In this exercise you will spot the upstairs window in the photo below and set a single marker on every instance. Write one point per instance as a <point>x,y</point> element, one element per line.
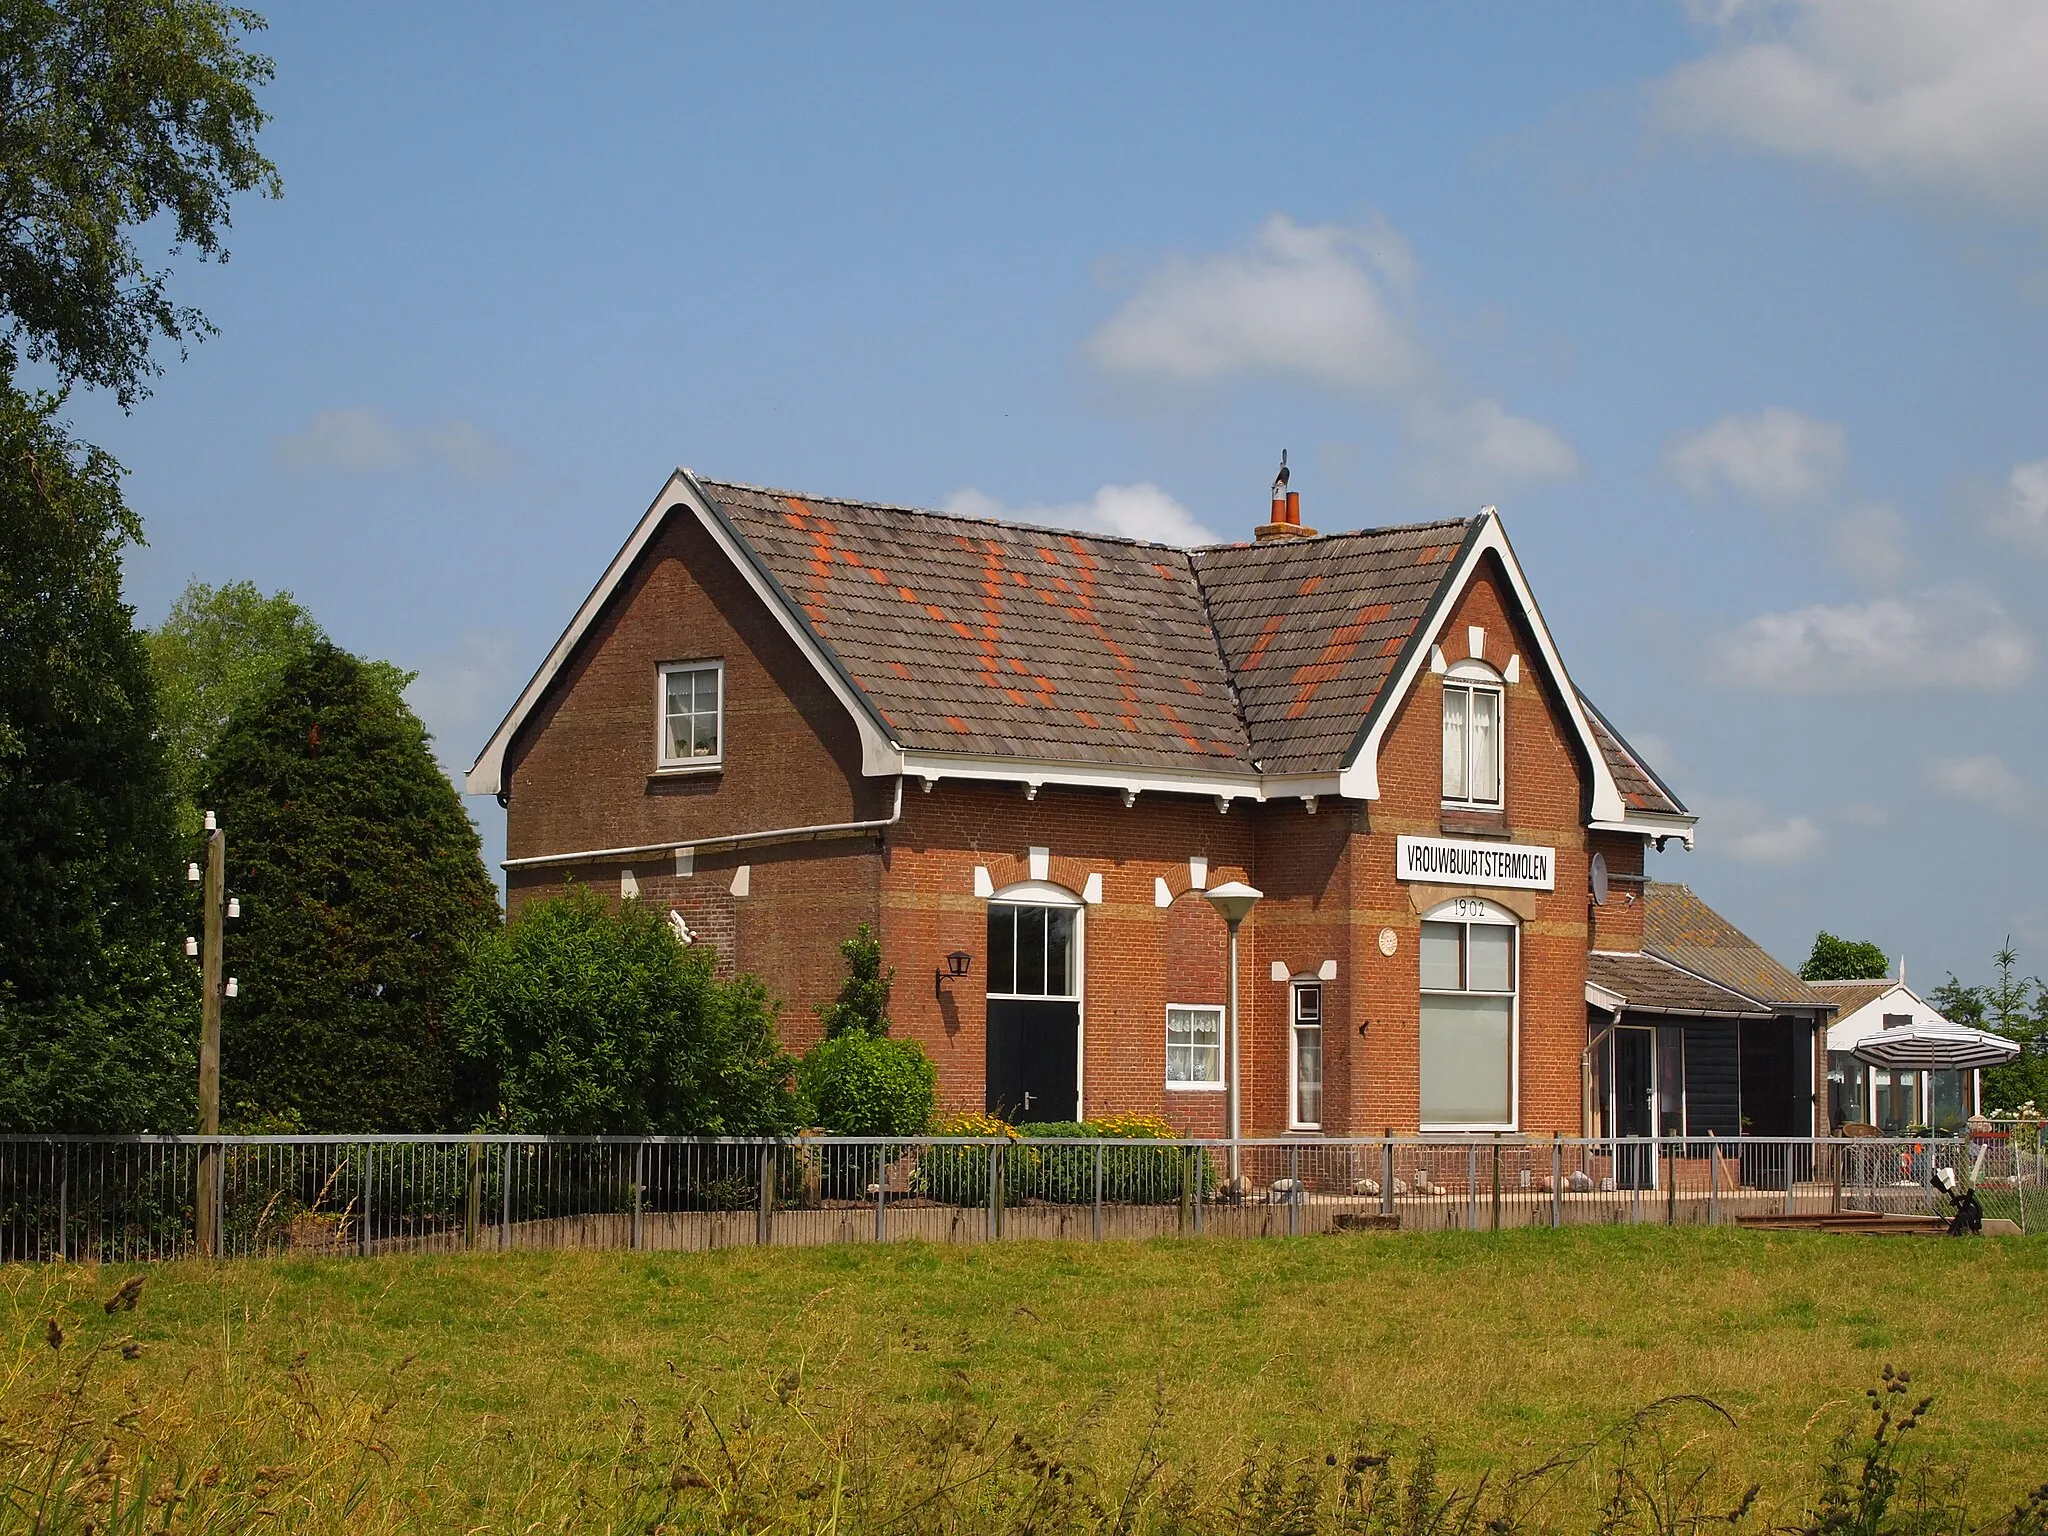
<point>692,714</point>
<point>1472,737</point>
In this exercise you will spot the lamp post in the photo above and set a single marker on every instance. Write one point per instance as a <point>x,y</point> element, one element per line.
<point>1233,902</point>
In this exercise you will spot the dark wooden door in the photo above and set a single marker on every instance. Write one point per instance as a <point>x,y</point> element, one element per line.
<point>1634,1166</point>
<point>1034,1057</point>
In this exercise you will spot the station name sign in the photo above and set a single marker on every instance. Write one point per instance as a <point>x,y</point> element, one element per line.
<point>1452,861</point>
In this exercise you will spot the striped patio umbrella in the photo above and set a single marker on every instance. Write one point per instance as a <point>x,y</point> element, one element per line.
<point>1936,1048</point>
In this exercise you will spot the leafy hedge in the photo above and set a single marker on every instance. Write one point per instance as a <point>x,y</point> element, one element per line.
<point>1065,1175</point>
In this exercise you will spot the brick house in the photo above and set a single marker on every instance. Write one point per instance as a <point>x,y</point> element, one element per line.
<point>1025,755</point>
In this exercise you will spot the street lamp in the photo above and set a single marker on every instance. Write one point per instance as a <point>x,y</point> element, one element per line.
<point>1233,902</point>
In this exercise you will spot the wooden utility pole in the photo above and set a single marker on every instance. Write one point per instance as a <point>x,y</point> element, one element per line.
<point>210,964</point>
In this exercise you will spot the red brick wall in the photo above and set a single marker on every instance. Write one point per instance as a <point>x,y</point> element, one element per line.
<point>1545,791</point>
<point>1134,953</point>
<point>582,775</point>
<point>582,770</point>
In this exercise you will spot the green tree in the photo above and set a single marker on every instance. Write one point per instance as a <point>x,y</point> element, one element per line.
<point>95,1003</point>
<point>1835,959</point>
<point>218,649</point>
<point>2012,1005</point>
<point>117,114</point>
<point>581,1018</point>
<point>863,1001</point>
<point>362,886</point>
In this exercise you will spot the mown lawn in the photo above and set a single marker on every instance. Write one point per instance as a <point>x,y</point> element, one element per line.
<point>461,1372</point>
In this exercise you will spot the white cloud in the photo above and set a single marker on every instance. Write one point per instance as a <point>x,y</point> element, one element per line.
<point>1871,543</point>
<point>1312,301</point>
<point>1141,511</point>
<point>361,439</point>
<point>2021,514</point>
<point>1953,636</point>
<point>1776,456</point>
<point>1986,781</point>
<point>1745,831</point>
<point>462,693</point>
<point>1477,451</point>
<point>1942,97</point>
<point>1326,304</point>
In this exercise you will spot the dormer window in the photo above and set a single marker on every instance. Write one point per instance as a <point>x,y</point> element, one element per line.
<point>692,702</point>
<point>1473,709</point>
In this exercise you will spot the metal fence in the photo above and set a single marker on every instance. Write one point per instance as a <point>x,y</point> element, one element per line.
<point>131,1198</point>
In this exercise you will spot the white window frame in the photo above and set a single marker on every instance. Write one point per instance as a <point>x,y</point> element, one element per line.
<point>1294,990</point>
<point>663,762</point>
<point>1222,1082</point>
<point>1471,677</point>
<point>1042,893</point>
<point>1471,910</point>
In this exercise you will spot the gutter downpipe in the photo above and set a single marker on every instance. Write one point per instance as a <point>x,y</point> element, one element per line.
<point>736,840</point>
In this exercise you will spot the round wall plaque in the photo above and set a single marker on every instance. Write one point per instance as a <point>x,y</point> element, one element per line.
<point>1389,941</point>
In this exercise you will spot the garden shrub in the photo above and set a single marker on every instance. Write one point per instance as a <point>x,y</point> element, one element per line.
<point>1064,1175</point>
<point>858,1084</point>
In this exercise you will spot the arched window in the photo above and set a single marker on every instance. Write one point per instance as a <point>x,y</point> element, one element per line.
<point>1471,974</point>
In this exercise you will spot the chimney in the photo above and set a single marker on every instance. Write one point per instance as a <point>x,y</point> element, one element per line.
<point>1286,522</point>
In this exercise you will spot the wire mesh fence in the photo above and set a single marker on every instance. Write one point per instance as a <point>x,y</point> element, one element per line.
<point>137,1198</point>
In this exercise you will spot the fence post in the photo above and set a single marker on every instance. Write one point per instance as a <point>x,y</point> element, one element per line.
<point>1713,1179</point>
<point>1556,1180</point>
<point>1294,1191</point>
<point>763,1207</point>
<point>369,1179</point>
<point>996,1165</point>
<point>1098,1191</point>
<point>1496,1181</point>
<point>1187,1185</point>
<point>1671,1184</point>
<point>505,1194</point>
<point>1635,1182</point>
<point>1387,1173</point>
<point>1471,1189</point>
<point>1201,1185</point>
<point>64,1201</point>
<point>1788,1178</point>
<point>639,1202</point>
<point>472,1211</point>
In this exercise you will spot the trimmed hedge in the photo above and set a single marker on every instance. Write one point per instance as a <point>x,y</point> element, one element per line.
<point>1065,1175</point>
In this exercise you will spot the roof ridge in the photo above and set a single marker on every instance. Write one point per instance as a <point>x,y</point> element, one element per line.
<point>1023,526</point>
<point>1017,524</point>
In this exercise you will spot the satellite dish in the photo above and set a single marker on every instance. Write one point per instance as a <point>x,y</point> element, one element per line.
<point>1598,876</point>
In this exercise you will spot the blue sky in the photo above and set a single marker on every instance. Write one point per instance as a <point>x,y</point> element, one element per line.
<point>1735,310</point>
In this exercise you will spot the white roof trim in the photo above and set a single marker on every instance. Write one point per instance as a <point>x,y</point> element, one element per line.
<point>1360,777</point>
<point>880,754</point>
<point>1173,781</point>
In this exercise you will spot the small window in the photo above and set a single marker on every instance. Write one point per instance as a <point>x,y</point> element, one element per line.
<point>692,715</point>
<point>1194,1047</point>
<point>1898,1021</point>
<point>1472,744</point>
<point>1307,1067</point>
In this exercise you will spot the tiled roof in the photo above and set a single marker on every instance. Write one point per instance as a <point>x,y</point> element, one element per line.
<point>1651,985</point>
<point>1679,927</point>
<point>1640,787</point>
<point>1312,629</point>
<point>1017,641</point>
<point>1001,639</point>
<point>1849,996</point>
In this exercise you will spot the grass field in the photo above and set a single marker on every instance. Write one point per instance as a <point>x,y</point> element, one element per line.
<point>515,1392</point>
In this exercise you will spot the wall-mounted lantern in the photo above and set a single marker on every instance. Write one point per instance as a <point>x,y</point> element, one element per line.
<point>956,966</point>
